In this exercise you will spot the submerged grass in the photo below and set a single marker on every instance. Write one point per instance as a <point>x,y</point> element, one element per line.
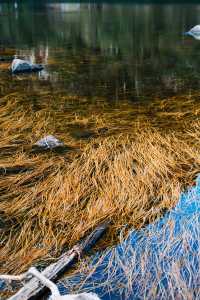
<point>131,177</point>
<point>161,261</point>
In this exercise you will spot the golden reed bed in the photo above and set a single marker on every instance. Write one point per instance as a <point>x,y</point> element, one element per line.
<point>130,176</point>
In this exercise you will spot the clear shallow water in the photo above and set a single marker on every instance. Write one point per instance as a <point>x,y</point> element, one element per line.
<point>114,58</point>
<point>131,53</point>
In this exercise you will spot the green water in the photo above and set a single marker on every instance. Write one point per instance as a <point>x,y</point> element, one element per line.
<point>123,56</point>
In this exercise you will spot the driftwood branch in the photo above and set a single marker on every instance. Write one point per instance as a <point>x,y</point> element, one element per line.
<point>33,288</point>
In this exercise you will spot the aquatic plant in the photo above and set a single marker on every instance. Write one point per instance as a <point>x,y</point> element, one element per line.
<point>131,173</point>
<point>160,261</point>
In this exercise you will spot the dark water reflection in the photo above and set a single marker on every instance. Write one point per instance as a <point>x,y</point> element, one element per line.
<point>119,52</point>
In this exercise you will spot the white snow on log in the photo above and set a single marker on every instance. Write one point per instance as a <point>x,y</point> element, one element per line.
<point>49,142</point>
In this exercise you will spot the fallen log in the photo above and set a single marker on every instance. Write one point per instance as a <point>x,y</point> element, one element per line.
<point>33,288</point>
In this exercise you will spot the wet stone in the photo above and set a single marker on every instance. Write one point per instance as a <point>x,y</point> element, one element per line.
<point>49,142</point>
<point>21,66</point>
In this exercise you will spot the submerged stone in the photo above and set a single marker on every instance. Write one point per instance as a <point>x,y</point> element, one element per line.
<point>49,142</point>
<point>20,66</point>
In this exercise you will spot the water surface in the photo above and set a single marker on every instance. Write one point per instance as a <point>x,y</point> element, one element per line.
<point>123,60</point>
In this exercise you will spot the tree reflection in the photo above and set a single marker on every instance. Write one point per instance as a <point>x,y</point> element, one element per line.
<point>133,49</point>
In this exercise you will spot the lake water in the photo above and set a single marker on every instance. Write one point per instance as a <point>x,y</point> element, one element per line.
<point>121,60</point>
<point>112,66</point>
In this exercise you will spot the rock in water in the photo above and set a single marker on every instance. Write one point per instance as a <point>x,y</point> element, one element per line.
<point>194,32</point>
<point>49,142</point>
<point>20,66</point>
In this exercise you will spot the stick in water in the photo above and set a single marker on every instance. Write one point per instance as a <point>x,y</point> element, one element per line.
<point>34,287</point>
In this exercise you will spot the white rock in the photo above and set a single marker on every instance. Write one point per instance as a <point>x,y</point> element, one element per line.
<point>49,142</point>
<point>19,66</point>
<point>195,29</point>
<point>83,296</point>
<point>194,32</point>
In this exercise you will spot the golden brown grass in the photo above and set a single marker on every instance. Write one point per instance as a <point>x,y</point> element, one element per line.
<point>130,177</point>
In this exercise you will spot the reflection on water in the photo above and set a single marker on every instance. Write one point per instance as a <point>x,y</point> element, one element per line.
<point>158,262</point>
<point>131,53</point>
<point>65,7</point>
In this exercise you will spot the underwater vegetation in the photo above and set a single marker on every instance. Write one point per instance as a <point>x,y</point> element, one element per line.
<point>160,261</point>
<point>120,90</point>
<point>50,199</point>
